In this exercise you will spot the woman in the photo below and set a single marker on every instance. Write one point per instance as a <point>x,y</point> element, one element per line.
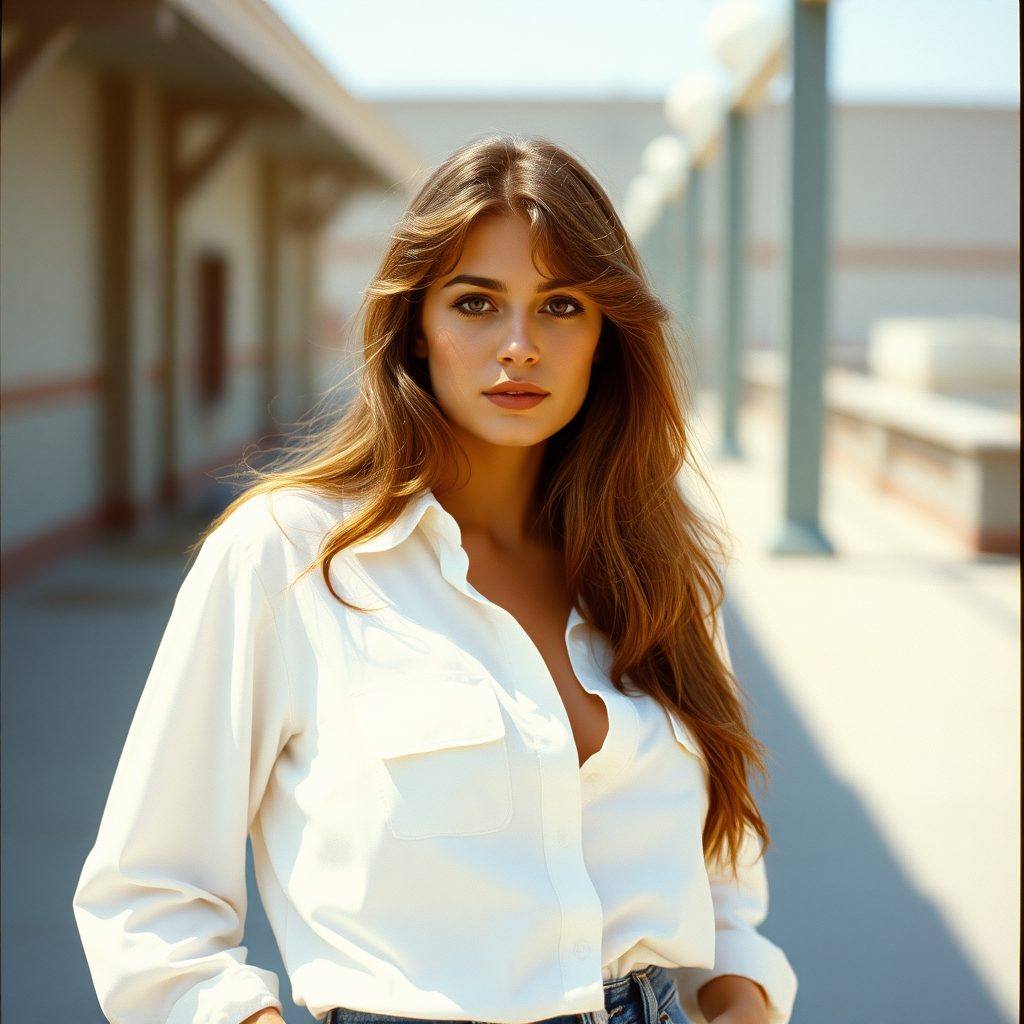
<point>455,671</point>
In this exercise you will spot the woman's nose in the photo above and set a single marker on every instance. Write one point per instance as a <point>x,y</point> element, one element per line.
<point>517,347</point>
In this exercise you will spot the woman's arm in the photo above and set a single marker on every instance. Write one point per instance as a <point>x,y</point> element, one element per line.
<point>730,999</point>
<point>745,962</point>
<point>162,898</point>
<point>265,1017</point>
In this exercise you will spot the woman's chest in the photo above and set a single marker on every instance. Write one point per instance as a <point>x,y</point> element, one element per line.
<point>435,712</point>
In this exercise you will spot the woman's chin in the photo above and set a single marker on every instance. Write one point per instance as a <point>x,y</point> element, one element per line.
<point>510,435</point>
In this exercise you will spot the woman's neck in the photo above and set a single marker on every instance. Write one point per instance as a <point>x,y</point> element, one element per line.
<point>498,495</point>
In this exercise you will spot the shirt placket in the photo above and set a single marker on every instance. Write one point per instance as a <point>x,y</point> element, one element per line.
<point>579,948</point>
<point>591,668</point>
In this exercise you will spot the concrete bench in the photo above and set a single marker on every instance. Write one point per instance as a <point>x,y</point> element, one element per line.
<point>957,460</point>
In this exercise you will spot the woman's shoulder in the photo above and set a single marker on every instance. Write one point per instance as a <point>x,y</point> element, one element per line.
<point>280,527</point>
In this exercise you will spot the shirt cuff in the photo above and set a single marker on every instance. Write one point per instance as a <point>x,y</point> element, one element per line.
<point>229,998</point>
<point>752,957</point>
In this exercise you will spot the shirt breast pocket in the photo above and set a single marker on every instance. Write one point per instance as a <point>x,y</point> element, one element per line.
<point>438,742</point>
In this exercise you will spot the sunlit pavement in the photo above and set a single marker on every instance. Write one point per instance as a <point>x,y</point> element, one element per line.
<point>77,645</point>
<point>886,681</point>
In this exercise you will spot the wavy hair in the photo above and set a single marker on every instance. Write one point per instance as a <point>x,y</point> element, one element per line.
<point>639,556</point>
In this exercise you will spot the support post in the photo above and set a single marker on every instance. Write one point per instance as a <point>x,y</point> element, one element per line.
<point>808,281</point>
<point>324,187</point>
<point>652,251</point>
<point>675,213</point>
<point>270,282</point>
<point>692,283</point>
<point>731,383</point>
<point>310,291</point>
<point>117,194</point>
<point>169,485</point>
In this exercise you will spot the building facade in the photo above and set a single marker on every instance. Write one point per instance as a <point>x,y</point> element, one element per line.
<point>167,172</point>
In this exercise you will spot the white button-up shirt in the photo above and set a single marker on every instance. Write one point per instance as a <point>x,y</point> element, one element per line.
<point>426,844</point>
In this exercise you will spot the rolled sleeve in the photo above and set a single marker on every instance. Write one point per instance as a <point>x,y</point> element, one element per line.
<point>161,901</point>
<point>741,904</point>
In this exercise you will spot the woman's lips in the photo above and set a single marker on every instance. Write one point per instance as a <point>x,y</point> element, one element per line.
<point>516,396</point>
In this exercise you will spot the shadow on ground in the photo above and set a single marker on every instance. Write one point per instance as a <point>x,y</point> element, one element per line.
<point>866,946</point>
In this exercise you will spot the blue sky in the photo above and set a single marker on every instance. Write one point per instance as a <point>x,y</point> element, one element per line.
<point>886,51</point>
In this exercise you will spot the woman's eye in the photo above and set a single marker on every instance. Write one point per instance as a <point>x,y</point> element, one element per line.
<point>474,304</point>
<point>563,307</point>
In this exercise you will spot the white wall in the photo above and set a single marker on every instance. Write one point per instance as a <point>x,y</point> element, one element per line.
<point>48,316</point>
<point>920,174</point>
<point>223,217</point>
<point>924,218</point>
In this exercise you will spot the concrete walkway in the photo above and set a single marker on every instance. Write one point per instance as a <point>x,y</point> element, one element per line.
<point>77,646</point>
<point>885,682</point>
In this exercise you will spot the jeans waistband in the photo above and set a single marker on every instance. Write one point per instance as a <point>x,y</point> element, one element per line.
<point>646,996</point>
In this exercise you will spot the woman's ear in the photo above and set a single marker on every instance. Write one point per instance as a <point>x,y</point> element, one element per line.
<point>419,345</point>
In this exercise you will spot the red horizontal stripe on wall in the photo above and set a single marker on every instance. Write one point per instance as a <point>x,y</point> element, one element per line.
<point>972,259</point>
<point>898,256</point>
<point>21,561</point>
<point>57,389</point>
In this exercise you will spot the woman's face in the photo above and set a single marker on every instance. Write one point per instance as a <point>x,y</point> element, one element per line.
<point>509,350</point>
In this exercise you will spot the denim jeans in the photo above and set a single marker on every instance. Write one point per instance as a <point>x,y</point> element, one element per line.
<point>647,996</point>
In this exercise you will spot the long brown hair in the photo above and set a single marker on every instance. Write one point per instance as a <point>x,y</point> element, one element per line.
<point>640,557</point>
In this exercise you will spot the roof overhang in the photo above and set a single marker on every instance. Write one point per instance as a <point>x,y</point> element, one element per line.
<point>238,52</point>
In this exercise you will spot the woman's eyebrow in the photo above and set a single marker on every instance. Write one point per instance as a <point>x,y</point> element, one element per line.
<point>480,282</point>
<point>553,286</point>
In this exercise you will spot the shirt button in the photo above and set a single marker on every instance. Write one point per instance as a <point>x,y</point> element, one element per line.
<point>565,838</point>
<point>581,949</point>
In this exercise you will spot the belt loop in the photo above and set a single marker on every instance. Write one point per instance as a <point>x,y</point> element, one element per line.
<point>650,1000</point>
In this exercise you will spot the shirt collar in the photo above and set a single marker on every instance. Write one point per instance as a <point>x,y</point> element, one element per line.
<point>426,511</point>
<point>423,509</point>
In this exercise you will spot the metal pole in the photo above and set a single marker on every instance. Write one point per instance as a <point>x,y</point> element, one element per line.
<point>658,249</point>
<point>675,249</point>
<point>692,258</point>
<point>732,349</point>
<point>808,282</point>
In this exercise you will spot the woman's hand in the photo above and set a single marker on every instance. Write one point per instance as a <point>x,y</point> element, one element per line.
<point>268,1016</point>
<point>730,999</point>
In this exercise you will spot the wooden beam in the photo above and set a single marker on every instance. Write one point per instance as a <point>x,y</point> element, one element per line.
<point>117,172</point>
<point>309,297</point>
<point>45,29</point>
<point>40,44</point>
<point>131,15</point>
<point>270,281</point>
<point>325,187</point>
<point>169,485</point>
<point>755,95</point>
<point>188,178</point>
